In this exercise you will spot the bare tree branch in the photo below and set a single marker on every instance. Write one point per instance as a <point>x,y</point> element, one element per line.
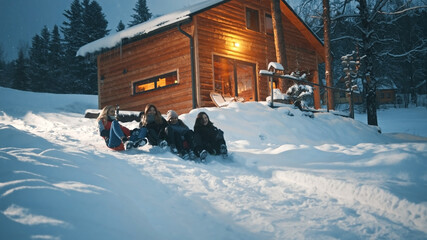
<point>402,11</point>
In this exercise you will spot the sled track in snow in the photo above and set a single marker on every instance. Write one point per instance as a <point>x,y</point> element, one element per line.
<point>376,199</point>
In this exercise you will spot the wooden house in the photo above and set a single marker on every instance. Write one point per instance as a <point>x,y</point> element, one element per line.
<point>175,61</point>
<point>341,97</point>
<point>386,92</point>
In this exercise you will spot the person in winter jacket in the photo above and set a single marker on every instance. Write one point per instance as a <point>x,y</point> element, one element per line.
<point>208,138</point>
<point>179,136</point>
<point>116,136</point>
<point>155,125</point>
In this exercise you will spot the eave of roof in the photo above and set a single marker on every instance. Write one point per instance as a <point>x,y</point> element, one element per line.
<point>171,20</point>
<point>304,29</point>
<point>148,28</point>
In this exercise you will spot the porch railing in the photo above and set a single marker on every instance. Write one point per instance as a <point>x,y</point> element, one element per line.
<point>273,72</point>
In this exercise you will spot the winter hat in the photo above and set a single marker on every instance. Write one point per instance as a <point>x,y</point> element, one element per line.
<point>171,114</point>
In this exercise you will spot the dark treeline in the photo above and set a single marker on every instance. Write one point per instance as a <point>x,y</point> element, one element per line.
<point>50,64</point>
<point>397,45</point>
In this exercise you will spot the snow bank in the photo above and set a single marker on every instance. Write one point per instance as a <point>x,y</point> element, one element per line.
<point>288,177</point>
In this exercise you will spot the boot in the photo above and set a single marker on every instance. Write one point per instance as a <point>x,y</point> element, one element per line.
<point>127,143</point>
<point>223,151</point>
<point>140,143</point>
<point>203,154</point>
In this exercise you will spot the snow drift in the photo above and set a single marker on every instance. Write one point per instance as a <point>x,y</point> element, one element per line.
<point>288,177</point>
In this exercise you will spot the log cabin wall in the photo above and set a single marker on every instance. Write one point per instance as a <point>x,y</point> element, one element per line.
<point>217,29</point>
<point>143,59</point>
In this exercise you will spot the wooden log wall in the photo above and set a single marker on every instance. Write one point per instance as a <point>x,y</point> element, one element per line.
<point>149,57</point>
<point>219,27</point>
<point>214,30</point>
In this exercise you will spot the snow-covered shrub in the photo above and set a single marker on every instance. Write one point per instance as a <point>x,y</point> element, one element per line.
<point>302,95</point>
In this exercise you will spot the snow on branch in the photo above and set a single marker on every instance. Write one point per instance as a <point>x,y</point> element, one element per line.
<point>420,49</point>
<point>403,11</point>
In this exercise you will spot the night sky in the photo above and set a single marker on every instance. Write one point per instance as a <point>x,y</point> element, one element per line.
<point>20,20</point>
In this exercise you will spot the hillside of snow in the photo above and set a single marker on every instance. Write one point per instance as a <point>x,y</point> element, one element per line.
<point>287,177</point>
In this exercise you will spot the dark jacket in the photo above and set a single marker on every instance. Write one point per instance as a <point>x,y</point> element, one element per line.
<point>155,132</point>
<point>209,138</point>
<point>207,133</point>
<point>158,128</point>
<point>179,127</point>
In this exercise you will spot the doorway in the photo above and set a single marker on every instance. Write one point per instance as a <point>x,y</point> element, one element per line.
<point>235,78</point>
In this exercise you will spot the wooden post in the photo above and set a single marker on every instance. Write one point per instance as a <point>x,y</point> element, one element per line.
<point>327,99</point>
<point>351,103</point>
<point>316,92</point>
<point>279,38</point>
<point>272,99</point>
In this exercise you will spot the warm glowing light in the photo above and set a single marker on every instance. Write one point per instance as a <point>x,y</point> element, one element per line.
<point>236,44</point>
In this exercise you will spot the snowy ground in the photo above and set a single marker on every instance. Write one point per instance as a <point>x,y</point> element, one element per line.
<point>289,177</point>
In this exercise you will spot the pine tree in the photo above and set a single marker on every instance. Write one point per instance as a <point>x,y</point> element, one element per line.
<point>142,13</point>
<point>86,23</point>
<point>36,60</point>
<point>94,22</point>
<point>120,26</point>
<point>44,64</point>
<point>39,65</point>
<point>20,72</point>
<point>55,61</point>
<point>2,67</point>
<point>72,30</point>
<point>95,27</point>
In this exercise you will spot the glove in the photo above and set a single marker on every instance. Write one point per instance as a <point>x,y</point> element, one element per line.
<point>117,110</point>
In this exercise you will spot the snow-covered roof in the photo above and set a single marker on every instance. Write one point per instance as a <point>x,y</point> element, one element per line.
<point>146,27</point>
<point>386,84</point>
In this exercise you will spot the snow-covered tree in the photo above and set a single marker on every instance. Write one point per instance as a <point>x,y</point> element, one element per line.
<point>142,13</point>
<point>408,57</point>
<point>301,95</point>
<point>366,27</point>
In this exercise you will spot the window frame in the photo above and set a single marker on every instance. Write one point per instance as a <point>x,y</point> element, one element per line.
<point>257,19</point>
<point>265,24</point>
<point>234,63</point>
<point>154,80</point>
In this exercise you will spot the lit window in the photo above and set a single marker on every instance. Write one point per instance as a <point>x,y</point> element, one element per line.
<point>268,24</point>
<point>252,19</point>
<point>157,82</point>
